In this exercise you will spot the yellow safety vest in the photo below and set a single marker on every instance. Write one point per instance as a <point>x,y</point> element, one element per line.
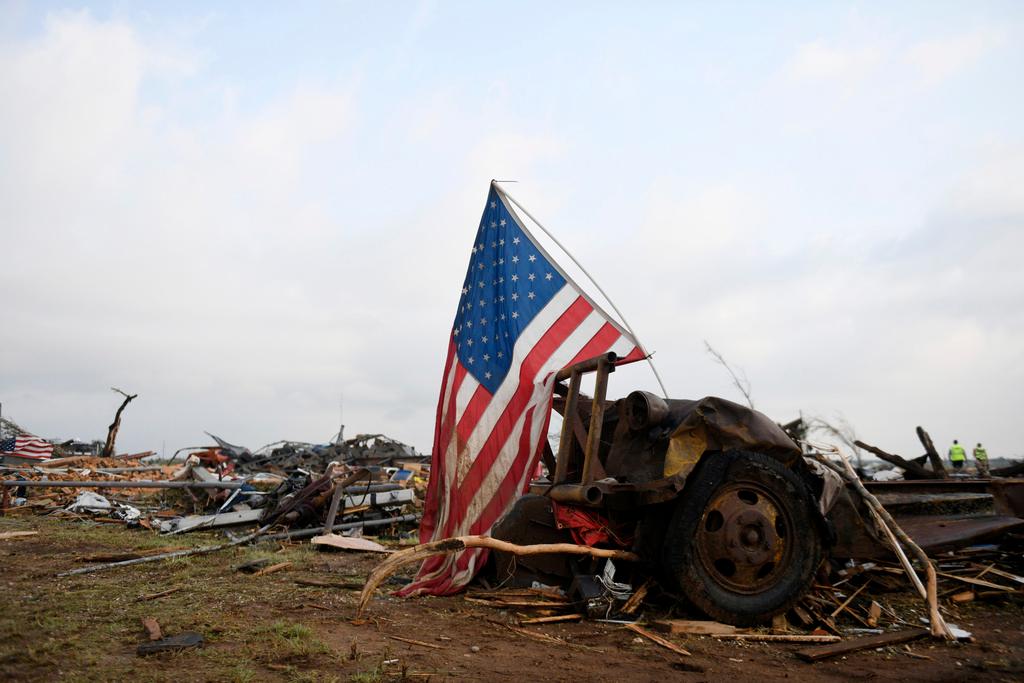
<point>980,454</point>
<point>957,453</point>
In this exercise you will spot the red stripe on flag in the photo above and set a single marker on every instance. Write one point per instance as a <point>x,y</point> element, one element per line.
<point>535,359</point>
<point>632,357</point>
<point>599,343</point>
<point>442,432</point>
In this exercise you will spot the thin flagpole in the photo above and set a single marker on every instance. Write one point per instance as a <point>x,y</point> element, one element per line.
<point>592,280</point>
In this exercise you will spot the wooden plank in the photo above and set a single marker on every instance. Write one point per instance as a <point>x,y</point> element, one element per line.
<point>7,535</point>
<point>816,654</point>
<point>658,639</point>
<point>414,642</point>
<point>692,627</point>
<point>552,620</point>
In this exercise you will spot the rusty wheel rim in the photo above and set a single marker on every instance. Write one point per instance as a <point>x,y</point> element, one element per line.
<point>744,541</point>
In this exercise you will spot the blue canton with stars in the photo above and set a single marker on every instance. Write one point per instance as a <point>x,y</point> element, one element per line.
<point>508,283</point>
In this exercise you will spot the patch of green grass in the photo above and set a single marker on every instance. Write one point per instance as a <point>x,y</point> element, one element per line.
<point>374,675</point>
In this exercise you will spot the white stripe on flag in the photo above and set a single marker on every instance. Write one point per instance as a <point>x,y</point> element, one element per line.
<point>510,448</point>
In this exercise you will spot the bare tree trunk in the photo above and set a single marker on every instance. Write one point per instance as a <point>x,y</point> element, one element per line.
<point>933,455</point>
<point>909,466</point>
<point>108,448</point>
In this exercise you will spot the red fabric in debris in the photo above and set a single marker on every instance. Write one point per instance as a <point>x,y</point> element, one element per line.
<point>589,527</point>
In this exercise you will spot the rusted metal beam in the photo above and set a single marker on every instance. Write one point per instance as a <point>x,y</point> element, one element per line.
<point>605,366</point>
<point>568,418</point>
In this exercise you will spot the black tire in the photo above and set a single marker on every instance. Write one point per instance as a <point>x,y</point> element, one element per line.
<point>743,544</point>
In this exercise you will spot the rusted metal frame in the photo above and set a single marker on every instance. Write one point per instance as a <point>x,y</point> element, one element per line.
<point>605,366</point>
<point>585,493</point>
<point>571,414</point>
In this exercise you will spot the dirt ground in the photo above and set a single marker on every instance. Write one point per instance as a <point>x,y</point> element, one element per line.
<point>269,628</point>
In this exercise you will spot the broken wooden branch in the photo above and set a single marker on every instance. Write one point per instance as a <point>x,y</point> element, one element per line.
<point>911,469</point>
<point>453,545</point>
<point>108,447</point>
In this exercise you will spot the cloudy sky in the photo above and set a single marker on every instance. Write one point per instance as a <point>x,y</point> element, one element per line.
<point>243,214</point>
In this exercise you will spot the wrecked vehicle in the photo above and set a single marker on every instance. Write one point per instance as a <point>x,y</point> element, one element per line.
<point>714,497</point>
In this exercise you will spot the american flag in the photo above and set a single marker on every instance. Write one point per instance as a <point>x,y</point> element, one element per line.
<point>26,446</point>
<point>520,319</point>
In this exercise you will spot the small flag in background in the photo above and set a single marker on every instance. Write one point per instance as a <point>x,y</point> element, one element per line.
<point>26,446</point>
<point>520,320</point>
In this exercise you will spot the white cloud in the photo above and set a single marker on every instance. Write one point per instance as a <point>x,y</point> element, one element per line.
<point>939,59</point>
<point>845,66</point>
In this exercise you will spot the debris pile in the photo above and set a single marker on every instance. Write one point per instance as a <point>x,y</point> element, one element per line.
<point>223,487</point>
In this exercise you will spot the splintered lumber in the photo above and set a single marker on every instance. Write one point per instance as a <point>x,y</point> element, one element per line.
<point>658,639</point>
<point>551,620</point>
<point>976,582</point>
<point>637,598</point>
<point>848,600</point>
<point>778,637</point>
<point>816,654</point>
<point>691,627</point>
<point>536,635</point>
<point>7,535</point>
<point>498,602</point>
<point>315,583</point>
<point>896,535</point>
<point>273,568</point>
<point>909,466</point>
<point>933,455</point>
<point>420,552</point>
<point>414,642</point>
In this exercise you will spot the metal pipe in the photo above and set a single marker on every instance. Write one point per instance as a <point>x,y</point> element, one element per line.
<point>589,365</point>
<point>306,533</point>
<point>125,484</point>
<point>576,494</point>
